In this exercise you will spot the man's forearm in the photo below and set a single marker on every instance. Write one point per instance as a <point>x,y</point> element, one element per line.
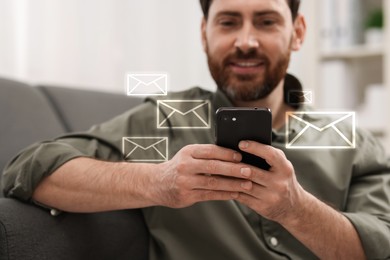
<point>196,173</point>
<point>326,232</point>
<point>88,185</point>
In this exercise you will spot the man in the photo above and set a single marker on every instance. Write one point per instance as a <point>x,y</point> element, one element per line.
<point>204,203</point>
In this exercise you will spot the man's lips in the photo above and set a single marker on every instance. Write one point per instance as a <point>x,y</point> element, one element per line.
<point>247,66</point>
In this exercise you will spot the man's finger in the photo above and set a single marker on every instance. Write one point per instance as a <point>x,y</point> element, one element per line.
<point>218,183</point>
<point>256,175</point>
<point>216,167</point>
<point>273,156</point>
<point>210,151</point>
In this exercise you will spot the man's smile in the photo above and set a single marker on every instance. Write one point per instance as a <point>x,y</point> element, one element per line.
<point>247,66</point>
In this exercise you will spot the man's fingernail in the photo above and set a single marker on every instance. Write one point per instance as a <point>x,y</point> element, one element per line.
<point>237,157</point>
<point>246,185</point>
<point>246,172</point>
<point>243,144</point>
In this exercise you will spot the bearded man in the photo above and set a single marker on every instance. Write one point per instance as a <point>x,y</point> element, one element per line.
<point>203,202</point>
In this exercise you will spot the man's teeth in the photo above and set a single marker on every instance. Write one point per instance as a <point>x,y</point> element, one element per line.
<point>248,64</point>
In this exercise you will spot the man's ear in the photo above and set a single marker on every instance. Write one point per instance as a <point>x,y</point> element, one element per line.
<point>299,32</point>
<point>203,32</point>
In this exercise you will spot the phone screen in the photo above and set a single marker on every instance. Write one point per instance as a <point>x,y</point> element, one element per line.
<point>236,124</point>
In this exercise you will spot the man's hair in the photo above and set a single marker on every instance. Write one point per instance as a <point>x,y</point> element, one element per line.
<point>293,4</point>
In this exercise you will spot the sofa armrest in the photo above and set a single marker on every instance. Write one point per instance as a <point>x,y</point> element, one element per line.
<point>29,232</point>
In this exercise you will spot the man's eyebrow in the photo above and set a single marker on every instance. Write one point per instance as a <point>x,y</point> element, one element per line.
<point>255,13</point>
<point>266,12</point>
<point>228,13</point>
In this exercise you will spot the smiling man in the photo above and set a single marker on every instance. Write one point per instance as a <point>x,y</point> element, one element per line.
<point>203,203</point>
<point>248,45</point>
<point>248,50</point>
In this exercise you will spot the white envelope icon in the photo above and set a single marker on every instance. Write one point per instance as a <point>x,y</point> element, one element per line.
<point>183,114</point>
<point>326,130</point>
<point>146,84</point>
<point>296,97</point>
<point>145,149</point>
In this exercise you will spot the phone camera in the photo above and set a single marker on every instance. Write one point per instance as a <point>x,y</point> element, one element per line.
<point>225,118</point>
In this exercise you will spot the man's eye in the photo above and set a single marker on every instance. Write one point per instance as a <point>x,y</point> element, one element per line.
<point>267,22</point>
<point>228,23</point>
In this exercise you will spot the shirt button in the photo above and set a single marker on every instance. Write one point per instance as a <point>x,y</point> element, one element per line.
<point>274,241</point>
<point>54,212</point>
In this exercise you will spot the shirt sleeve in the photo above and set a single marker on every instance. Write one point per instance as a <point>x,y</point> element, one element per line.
<point>368,205</point>
<point>102,142</point>
<point>23,174</point>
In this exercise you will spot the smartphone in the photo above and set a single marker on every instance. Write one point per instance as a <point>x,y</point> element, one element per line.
<point>234,124</point>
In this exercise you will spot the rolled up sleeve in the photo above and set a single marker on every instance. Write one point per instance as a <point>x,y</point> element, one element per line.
<point>102,142</point>
<point>23,174</point>
<point>368,205</point>
<point>374,233</point>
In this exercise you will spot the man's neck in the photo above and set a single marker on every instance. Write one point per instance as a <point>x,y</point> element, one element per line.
<point>274,101</point>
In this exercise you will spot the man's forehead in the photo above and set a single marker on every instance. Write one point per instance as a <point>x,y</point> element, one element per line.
<point>254,6</point>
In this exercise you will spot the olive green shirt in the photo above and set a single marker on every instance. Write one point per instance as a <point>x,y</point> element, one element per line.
<point>354,181</point>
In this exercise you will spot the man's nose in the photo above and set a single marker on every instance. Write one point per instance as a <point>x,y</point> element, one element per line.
<point>246,41</point>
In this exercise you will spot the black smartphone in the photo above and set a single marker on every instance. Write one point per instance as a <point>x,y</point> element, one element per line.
<point>234,124</point>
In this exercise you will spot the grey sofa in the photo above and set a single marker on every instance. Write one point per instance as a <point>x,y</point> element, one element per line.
<point>30,114</point>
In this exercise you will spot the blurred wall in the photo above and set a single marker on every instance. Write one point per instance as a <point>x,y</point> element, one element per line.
<point>93,43</point>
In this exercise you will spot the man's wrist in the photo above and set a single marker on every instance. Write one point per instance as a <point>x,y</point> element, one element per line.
<point>141,185</point>
<point>151,184</point>
<point>300,211</point>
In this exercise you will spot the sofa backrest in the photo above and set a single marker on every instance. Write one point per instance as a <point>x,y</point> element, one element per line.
<point>25,117</point>
<point>78,109</point>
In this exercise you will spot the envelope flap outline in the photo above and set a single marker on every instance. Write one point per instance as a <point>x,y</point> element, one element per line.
<point>348,137</point>
<point>333,123</point>
<point>150,150</point>
<point>300,96</point>
<point>307,95</point>
<point>184,114</point>
<point>203,103</point>
<point>144,147</point>
<point>301,93</point>
<point>147,79</point>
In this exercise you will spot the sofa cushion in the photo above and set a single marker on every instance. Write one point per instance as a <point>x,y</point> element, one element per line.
<point>26,117</point>
<point>80,109</point>
<point>28,232</point>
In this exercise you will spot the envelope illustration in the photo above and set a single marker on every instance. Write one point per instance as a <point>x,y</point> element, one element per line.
<point>320,130</point>
<point>296,97</point>
<point>147,84</point>
<point>145,149</point>
<point>183,114</point>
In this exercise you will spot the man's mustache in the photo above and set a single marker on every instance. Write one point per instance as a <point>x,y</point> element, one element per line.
<point>239,55</point>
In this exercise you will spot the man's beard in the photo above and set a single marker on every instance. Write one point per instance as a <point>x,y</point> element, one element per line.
<point>248,87</point>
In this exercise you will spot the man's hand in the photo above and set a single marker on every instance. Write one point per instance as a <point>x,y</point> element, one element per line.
<point>199,173</point>
<point>275,193</point>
